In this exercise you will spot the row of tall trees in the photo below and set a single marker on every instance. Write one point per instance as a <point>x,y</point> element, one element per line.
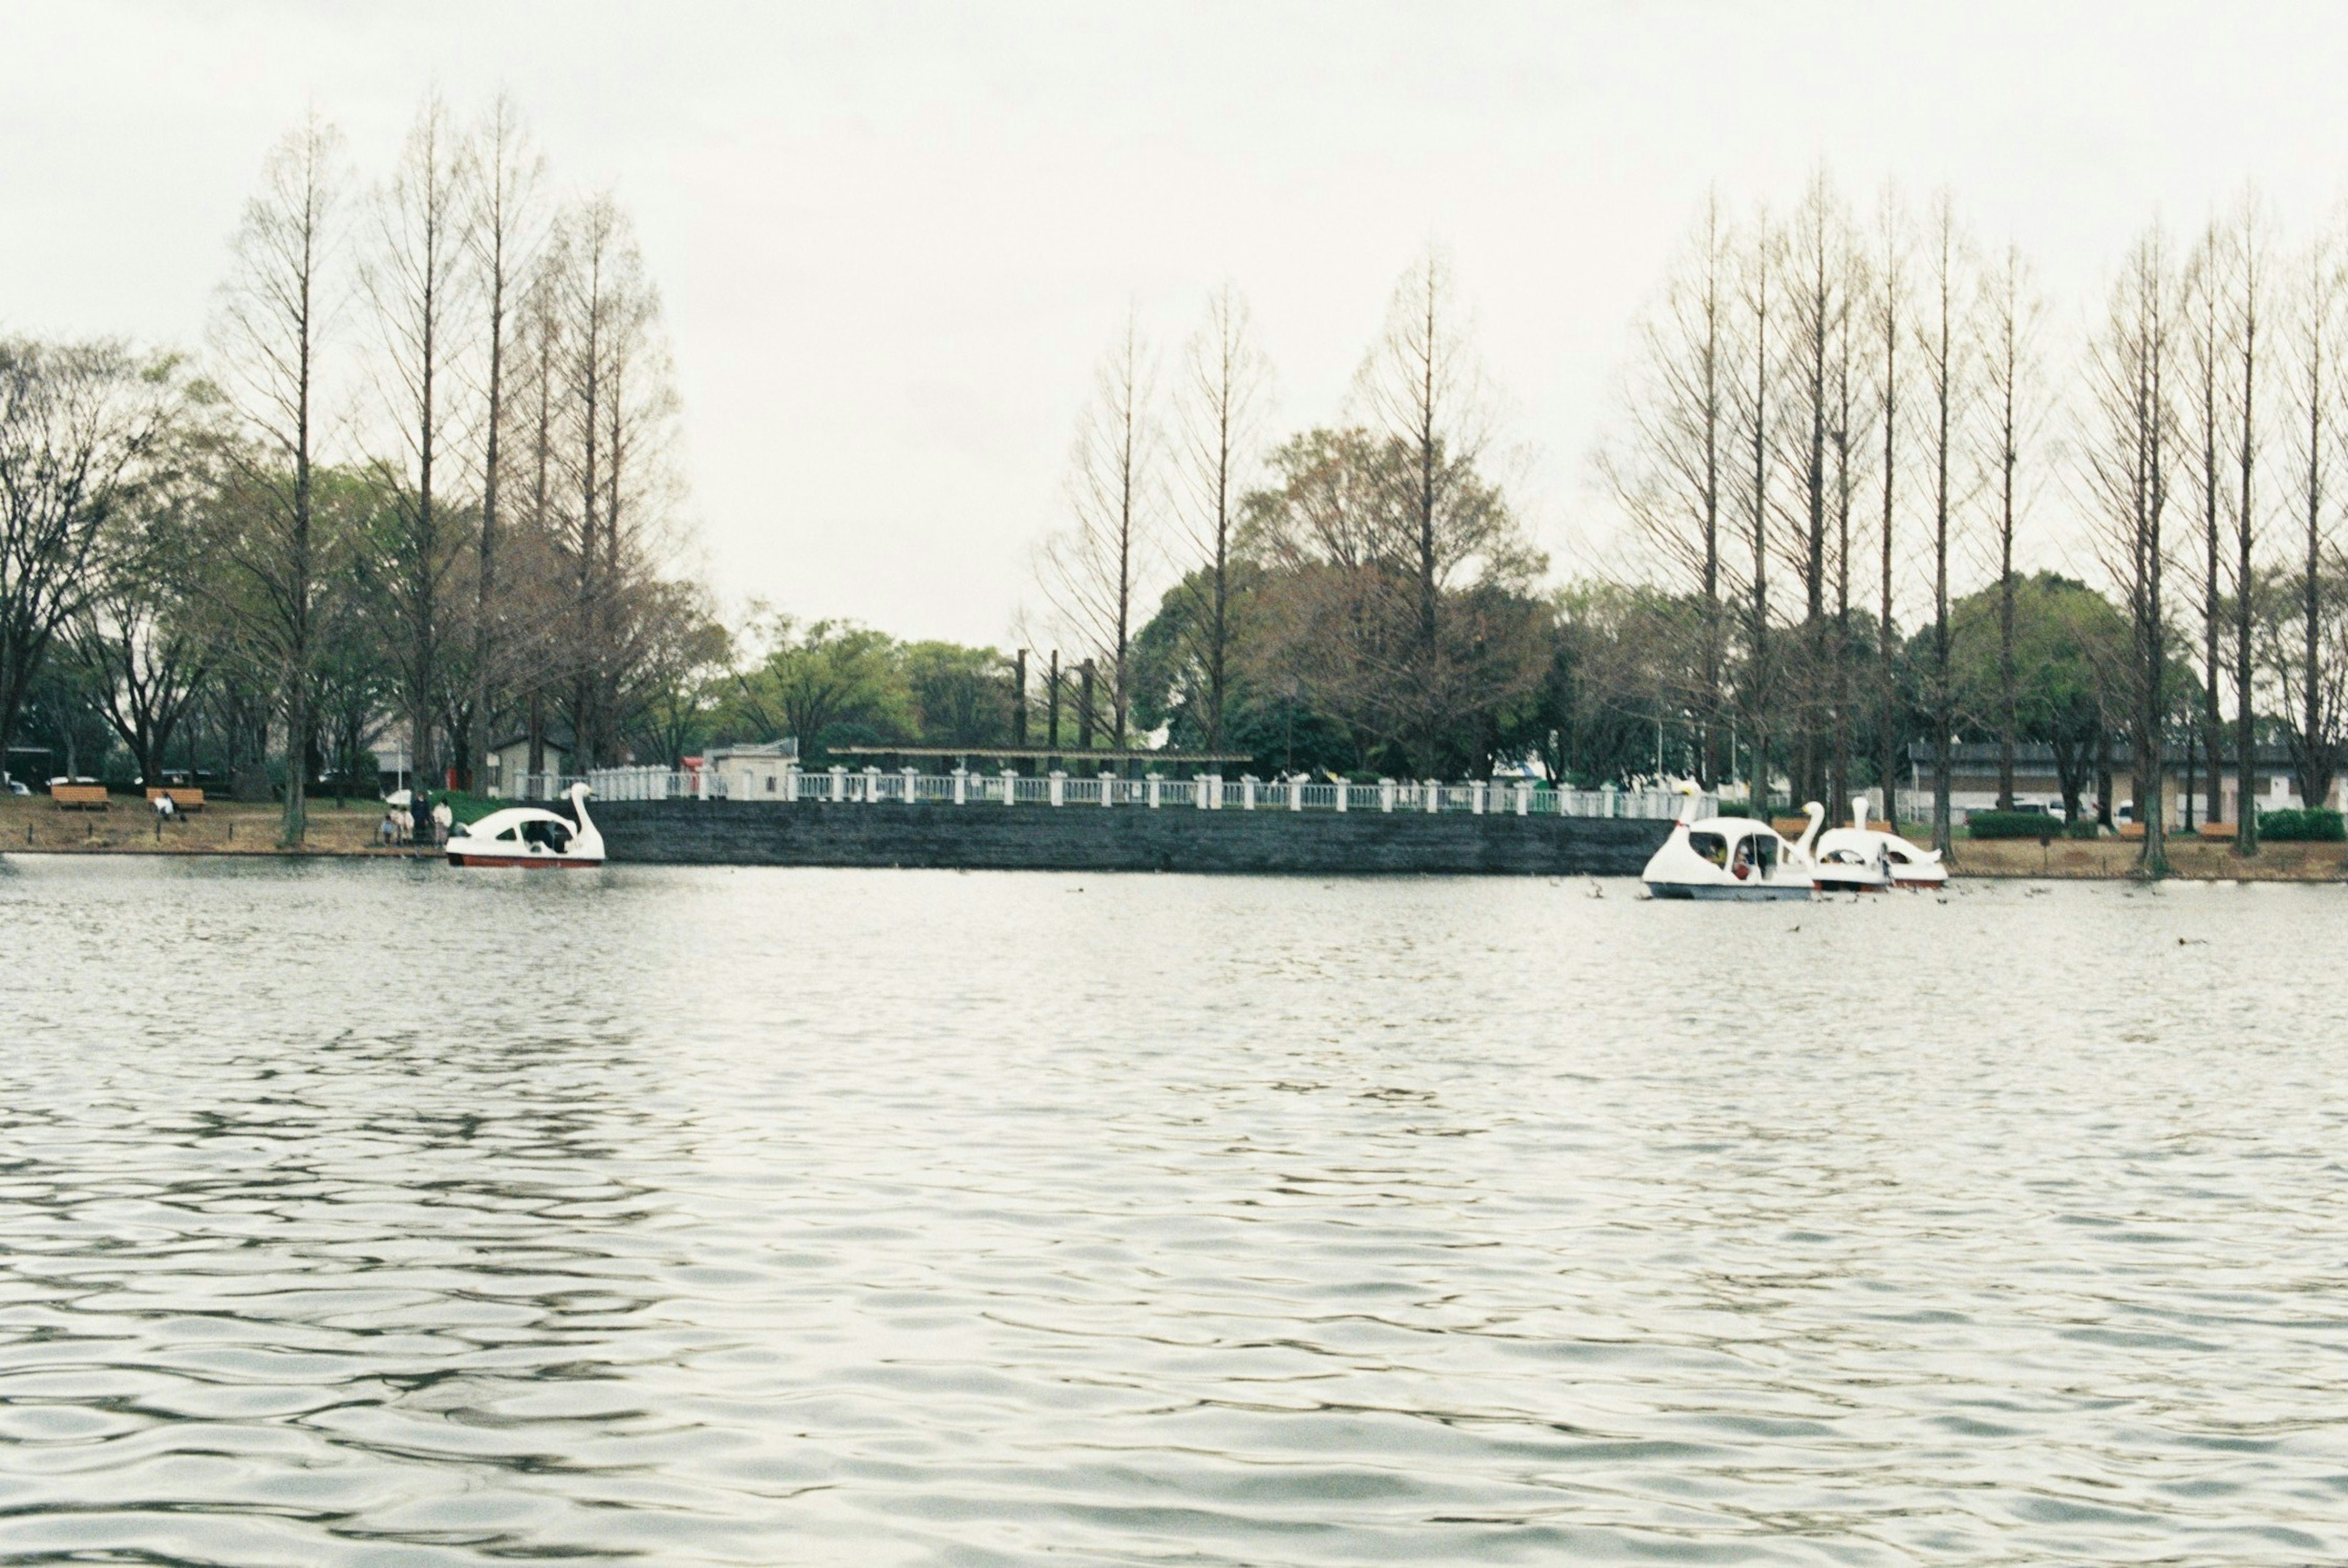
<point>1836,421</point>
<point>422,470</point>
<point>1371,575</point>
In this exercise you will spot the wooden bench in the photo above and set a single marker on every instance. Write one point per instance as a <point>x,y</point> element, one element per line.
<point>78,798</point>
<point>181,797</point>
<point>2217,829</point>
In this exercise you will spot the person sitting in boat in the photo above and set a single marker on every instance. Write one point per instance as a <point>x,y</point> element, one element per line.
<point>552,834</point>
<point>1742,867</point>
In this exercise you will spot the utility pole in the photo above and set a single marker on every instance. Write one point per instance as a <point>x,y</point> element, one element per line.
<point>1019,698</point>
<point>1052,704</point>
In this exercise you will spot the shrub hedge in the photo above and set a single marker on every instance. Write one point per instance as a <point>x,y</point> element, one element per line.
<point>2311,827</point>
<point>2012,824</point>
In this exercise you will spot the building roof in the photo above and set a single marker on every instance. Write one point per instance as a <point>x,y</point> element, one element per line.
<point>1043,753</point>
<point>2039,755</point>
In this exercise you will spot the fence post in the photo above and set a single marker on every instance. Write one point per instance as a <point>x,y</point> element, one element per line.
<point>912,774</point>
<point>1295,793</point>
<point>1208,790</point>
<point>1154,782</point>
<point>1011,786</point>
<point>961,785</point>
<point>839,782</point>
<point>1434,795</point>
<point>1386,794</point>
<point>1607,797</point>
<point>1344,788</point>
<point>1476,797</point>
<point>1524,798</point>
<point>791,780</point>
<point>1247,791</point>
<point>1109,788</point>
<point>1058,786</point>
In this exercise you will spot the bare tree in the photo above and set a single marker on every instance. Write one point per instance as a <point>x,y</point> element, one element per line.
<point>1221,407</point>
<point>1817,300</point>
<point>1944,342</point>
<point>1667,471</point>
<point>1755,427</point>
<point>151,660</point>
<point>2247,241</point>
<point>1092,572</point>
<point>2012,313</point>
<point>586,262</point>
<point>2314,386</point>
<point>506,229</point>
<point>1850,432</point>
<point>1422,387</point>
<point>1891,307</point>
<point>2201,311</point>
<point>274,314</point>
<point>421,297</point>
<point>82,428</point>
<point>2128,447</point>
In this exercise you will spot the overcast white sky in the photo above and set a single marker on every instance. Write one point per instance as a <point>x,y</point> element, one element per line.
<point>893,240</point>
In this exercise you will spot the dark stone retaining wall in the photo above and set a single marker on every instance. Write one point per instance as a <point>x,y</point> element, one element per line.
<point>1120,838</point>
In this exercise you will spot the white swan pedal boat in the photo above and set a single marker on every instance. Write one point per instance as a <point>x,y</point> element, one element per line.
<point>529,835</point>
<point>1843,852</point>
<point>1733,860</point>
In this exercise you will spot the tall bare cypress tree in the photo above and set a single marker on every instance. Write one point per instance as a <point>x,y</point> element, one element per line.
<point>2249,243</point>
<point>1669,472</point>
<point>416,281</point>
<point>1092,572</point>
<point>1892,308</point>
<point>1946,352</point>
<point>2201,310</point>
<point>2012,318</point>
<point>1755,416</point>
<point>2128,447</point>
<point>2319,337</point>
<point>276,310</point>
<point>1222,405</point>
<point>504,234</point>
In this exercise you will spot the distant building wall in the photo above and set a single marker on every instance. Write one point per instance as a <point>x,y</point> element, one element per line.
<point>1039,838</point>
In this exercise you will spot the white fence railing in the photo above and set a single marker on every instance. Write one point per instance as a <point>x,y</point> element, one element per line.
<point>872,786</point>
<point>542,787</point>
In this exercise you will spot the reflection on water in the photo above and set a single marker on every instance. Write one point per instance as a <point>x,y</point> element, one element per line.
<point>361,1213</point>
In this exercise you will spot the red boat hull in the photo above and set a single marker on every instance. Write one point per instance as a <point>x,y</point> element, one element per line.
<point>531,861</point>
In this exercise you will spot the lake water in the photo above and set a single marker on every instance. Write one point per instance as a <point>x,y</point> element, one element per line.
<point>370,1213</point>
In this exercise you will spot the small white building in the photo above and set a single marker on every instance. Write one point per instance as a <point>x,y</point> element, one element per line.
<point>754,772</point>
<point>508,765</point>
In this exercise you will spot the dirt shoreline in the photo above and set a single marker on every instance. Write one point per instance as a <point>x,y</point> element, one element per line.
<point>2192,860</point>
<point>35,825</point>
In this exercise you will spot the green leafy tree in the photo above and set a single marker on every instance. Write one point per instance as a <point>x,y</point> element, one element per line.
<point>960,696</point>
<point>2071,646</point>
<point>820,675</point>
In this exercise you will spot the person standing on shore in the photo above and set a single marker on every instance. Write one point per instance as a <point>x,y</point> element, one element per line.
<point>443,819</point>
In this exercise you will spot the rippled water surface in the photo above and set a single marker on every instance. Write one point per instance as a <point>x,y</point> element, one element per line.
<point>359,1214</point>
